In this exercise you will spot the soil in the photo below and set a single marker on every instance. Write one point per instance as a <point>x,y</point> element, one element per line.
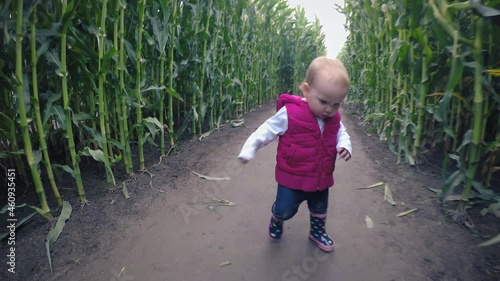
<point>171,228</point>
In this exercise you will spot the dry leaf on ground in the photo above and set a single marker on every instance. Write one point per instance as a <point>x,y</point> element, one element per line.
<point>371,186</point>
<point>211,178</point>
<point>388,195</point>
<point>406,212</point>
<point>369,222</point>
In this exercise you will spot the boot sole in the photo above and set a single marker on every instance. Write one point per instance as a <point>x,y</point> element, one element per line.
<point>327,249</point>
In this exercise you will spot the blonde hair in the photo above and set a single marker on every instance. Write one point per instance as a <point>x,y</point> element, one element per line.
<point>331,67</point>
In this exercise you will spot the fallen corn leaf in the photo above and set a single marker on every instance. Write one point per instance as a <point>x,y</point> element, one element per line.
<point>211,178</point>
<point>369,222</point>
<point>437,191</point>
<point>388,195</point>
<point>406,212</point>
<point>214,202</point>
<point>223,202</point>
<point>237,123</point>
<point>371,186</point>
<point>205,135</point>
<point>120,274</point>
<point>490,242</point>
<point>125,191</point>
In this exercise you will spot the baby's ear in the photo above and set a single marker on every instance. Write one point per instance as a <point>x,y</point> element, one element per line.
<point>305,89</point>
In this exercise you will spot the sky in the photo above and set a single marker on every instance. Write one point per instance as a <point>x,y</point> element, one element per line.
<point>331,20</point>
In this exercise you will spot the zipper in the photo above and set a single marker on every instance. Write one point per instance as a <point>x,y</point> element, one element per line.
<point>320,160</point>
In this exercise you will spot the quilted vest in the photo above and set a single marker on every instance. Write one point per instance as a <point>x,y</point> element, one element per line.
<point>306,157</point>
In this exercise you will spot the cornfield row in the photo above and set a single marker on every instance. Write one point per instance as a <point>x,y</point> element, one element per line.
<point>426,76</point>
<point>100,79</point>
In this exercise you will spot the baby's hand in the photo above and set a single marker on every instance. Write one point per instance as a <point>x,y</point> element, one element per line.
<point>344,154</point>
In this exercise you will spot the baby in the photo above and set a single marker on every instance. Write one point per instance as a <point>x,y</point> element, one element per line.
<point>310,137</point>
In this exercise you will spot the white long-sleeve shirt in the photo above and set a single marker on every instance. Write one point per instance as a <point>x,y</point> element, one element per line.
<point>276,126</point>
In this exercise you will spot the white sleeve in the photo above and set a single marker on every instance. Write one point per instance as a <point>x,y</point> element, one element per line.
<point>343,139</point>
<point>265,134</point>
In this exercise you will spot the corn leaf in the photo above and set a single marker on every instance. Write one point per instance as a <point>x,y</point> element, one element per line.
<point>98,155</point>
<point>406,212</point>
<point>492,241</point>
<point>130,50</point>
<point>493,72</point>
<point>174,93</point>
<point>53,57</point>
<point>483,10</point>
<point>195,113</point>
<point>237,123</point>
<point>454,180</point>
<point>153,88</point>
<point>456,73</point>
<point>494,209</point>
<point>84,117</point>
<point>153,126</point>
<point>125,191</point>
<point>369,222</point>
<point>388,195</point>
<point>58,112</point>
<point>106,59</point>
<point>57,229</point>
<point>159,32</point>
<point>6,207</point>
<point>484,193</point>
<point>466,139</point>
<point>37,156</point>
<point>211,178</point>
<point>42,49</point>
<point>66,168</point>
<point>372,186</point>
<point>97,136</point>
<point>115,143</point>
<point>204,135</point>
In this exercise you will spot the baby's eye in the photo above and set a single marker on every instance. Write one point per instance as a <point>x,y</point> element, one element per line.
<point>323,102</point>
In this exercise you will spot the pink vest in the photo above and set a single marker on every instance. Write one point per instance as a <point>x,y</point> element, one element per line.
<point>306,157</point>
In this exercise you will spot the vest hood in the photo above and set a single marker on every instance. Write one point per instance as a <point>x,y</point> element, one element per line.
<point>287,98</point>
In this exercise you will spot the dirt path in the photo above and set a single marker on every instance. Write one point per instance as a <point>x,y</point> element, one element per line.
<point>176,240</point>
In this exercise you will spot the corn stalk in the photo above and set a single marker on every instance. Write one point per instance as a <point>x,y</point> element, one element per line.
<point>125,135</point>
<point>28,151</point>
<point>102,105</point>
<point>38,116</point>
<point>141,5</point>
<point>67,109</point>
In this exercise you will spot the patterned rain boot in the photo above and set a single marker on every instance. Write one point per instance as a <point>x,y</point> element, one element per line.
<point>275,228</point>
<point>318,234</point>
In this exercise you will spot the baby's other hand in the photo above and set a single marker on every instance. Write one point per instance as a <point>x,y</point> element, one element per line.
<point>344,154</point>
<point>243,160</point>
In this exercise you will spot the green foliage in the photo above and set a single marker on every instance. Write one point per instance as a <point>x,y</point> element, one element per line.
<point>423,74</point>
<point>113,73</point>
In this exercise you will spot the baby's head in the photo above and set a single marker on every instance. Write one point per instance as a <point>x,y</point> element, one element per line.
<point>326,86</point>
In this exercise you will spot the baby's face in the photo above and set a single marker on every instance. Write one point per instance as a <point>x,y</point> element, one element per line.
<point>325,96</point>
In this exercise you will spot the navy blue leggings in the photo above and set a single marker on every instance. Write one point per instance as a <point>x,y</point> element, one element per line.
<point>288,201</point>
